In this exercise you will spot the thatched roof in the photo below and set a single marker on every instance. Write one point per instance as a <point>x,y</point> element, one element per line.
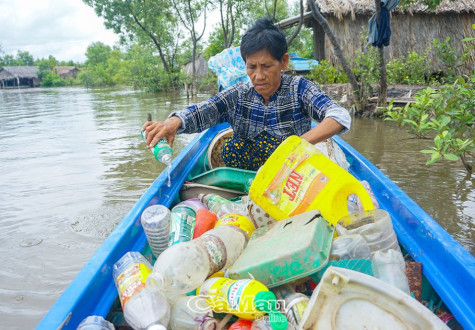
<point>65,69</point>
<point>340,8</point>
<point>11,72</point>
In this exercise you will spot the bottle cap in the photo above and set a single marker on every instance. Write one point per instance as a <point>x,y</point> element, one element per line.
<point>265,301</point>
<point>167,159</point>
<point>155,280</point>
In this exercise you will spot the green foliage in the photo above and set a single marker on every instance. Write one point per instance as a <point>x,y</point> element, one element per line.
<point>449,56</point>
<point>22,58</point>
<point>366,64</point>
<point>325,73</point>
<point>408,70</point>
<point>52,80</point>
<point>447,115</point>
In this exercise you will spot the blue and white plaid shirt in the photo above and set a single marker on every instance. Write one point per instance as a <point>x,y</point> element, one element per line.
<point>289,111</point>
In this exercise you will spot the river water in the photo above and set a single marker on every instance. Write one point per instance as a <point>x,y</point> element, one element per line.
<point>73,164</point>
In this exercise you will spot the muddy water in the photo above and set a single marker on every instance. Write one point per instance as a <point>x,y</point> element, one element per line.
<point>73,163</point>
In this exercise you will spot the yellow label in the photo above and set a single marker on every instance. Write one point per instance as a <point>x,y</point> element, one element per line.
<point>237,220</point>
<point>131,281</point>
<point>300,187</point>
<point>234,296</point>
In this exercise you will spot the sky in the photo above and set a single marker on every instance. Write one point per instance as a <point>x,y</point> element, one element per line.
<point>61,28</point>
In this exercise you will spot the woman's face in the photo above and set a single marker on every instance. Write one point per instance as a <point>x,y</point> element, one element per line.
<point>264,71</point>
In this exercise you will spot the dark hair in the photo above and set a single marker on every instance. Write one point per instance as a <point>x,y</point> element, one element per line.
<point>264,35</point>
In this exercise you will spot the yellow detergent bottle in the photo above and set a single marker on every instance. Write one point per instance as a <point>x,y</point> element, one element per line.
<point>298,177</point>
<point>247,299</point>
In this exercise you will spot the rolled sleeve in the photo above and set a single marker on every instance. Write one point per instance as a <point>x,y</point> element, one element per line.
<point>341,115</point>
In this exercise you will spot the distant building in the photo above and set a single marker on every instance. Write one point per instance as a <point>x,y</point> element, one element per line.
<point>201,66</point>
<point>19,77</point>
<point>67,71</point>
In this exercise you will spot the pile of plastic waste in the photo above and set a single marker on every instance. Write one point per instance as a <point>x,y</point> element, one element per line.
<point>280,257</point>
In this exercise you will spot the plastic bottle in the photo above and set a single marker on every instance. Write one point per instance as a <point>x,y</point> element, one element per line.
<point>222,206</point>
<point>292,304</point>
<point>143,307</point>
<point>205,220</point>
<point>247,299</point>
<point>161,151</point>
<point>182,224</point>
<point>95,322</point>
<point>237,220</point>
<point>183,267</point>
<point>390,267</point>
<point>192,313</point>
<point>349,247</point>
<point>155,221</point>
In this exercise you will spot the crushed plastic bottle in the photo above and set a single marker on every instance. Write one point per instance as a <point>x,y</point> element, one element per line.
<point>183,267</point>
<point>222,206</point>
<point>142,306</point>
<point>390,267</point>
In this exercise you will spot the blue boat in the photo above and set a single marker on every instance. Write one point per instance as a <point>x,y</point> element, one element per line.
<point>448,267</point>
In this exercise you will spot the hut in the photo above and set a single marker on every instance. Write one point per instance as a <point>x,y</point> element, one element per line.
<point>19,77</point>
<point>412,29</point>
<point>201,66</point>
<point>67,71</point>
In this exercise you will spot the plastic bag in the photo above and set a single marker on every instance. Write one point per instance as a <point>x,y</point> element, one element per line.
<point>229,67</point>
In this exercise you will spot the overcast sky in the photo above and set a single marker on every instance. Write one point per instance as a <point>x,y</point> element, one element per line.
<point>62,28</point>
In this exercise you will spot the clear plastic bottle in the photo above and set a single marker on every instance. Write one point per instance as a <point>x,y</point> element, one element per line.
<point>183,267</point>
<point>155,221</point>
<point>161,151</point>
<point>390,267</point>
<point>192,313</point>
<point>292,304</point>
<point>222,206</point>
<point>143,307</point>
<point>182,224</point>
<point>350,247</point>
<point>95,322</point>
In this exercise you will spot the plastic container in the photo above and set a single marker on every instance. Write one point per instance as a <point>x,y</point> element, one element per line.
<point>215,148</point>
<point>292,304</point>
<point>350,247</point>
<point>182,224</point>
<point>155,221</point>
<point>161,151</point>
<point>183,267</point>
<point>297,177</point>
<point>95,322</point>
<point>247,299</point>
<point>286,251</point>
<point>226,177</point>
<point>354,204</point>
<point>192,190</point>
<point>194,203</point>
<point>205,220</point>
<point>375,226</point>
<point>390,267</point>
<point>346,299</point>
<point>192,313</point>
<point>237,220</point>
<point>142,306</point>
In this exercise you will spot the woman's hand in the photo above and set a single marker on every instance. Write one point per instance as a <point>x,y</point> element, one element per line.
<point>325,129</point>
<point>155,130</point>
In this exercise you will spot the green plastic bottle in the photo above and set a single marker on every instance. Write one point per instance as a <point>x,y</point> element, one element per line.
<point>161,151</point>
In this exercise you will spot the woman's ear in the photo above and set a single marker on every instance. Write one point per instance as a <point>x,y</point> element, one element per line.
<point>285,61</point>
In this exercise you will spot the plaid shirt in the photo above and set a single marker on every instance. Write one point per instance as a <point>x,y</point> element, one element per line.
<point>289,111</point>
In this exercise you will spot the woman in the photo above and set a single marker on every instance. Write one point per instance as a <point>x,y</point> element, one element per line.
<point>262,112</point>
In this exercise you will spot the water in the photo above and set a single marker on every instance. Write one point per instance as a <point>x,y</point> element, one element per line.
<point>73,164</point>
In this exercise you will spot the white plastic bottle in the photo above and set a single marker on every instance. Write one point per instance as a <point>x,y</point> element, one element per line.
<point>155,221</point>
<point>390,267</point>
<point>183,267</point>
<point>143,307</point>
<point>222,206</point>
<point>192,313</point>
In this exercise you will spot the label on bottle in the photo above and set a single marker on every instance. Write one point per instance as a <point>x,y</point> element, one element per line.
<point>295,309</point>
<point>216,251</point>
<point>131,281</point>
<point>235,293</point>
<point>182,224</point>
<point>215,199</point>
<point>160,149</point>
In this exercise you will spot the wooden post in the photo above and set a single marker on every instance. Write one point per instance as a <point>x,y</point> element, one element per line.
<point>318,41</point>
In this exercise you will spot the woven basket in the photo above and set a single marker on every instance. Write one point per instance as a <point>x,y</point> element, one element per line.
<point>216,147</point>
